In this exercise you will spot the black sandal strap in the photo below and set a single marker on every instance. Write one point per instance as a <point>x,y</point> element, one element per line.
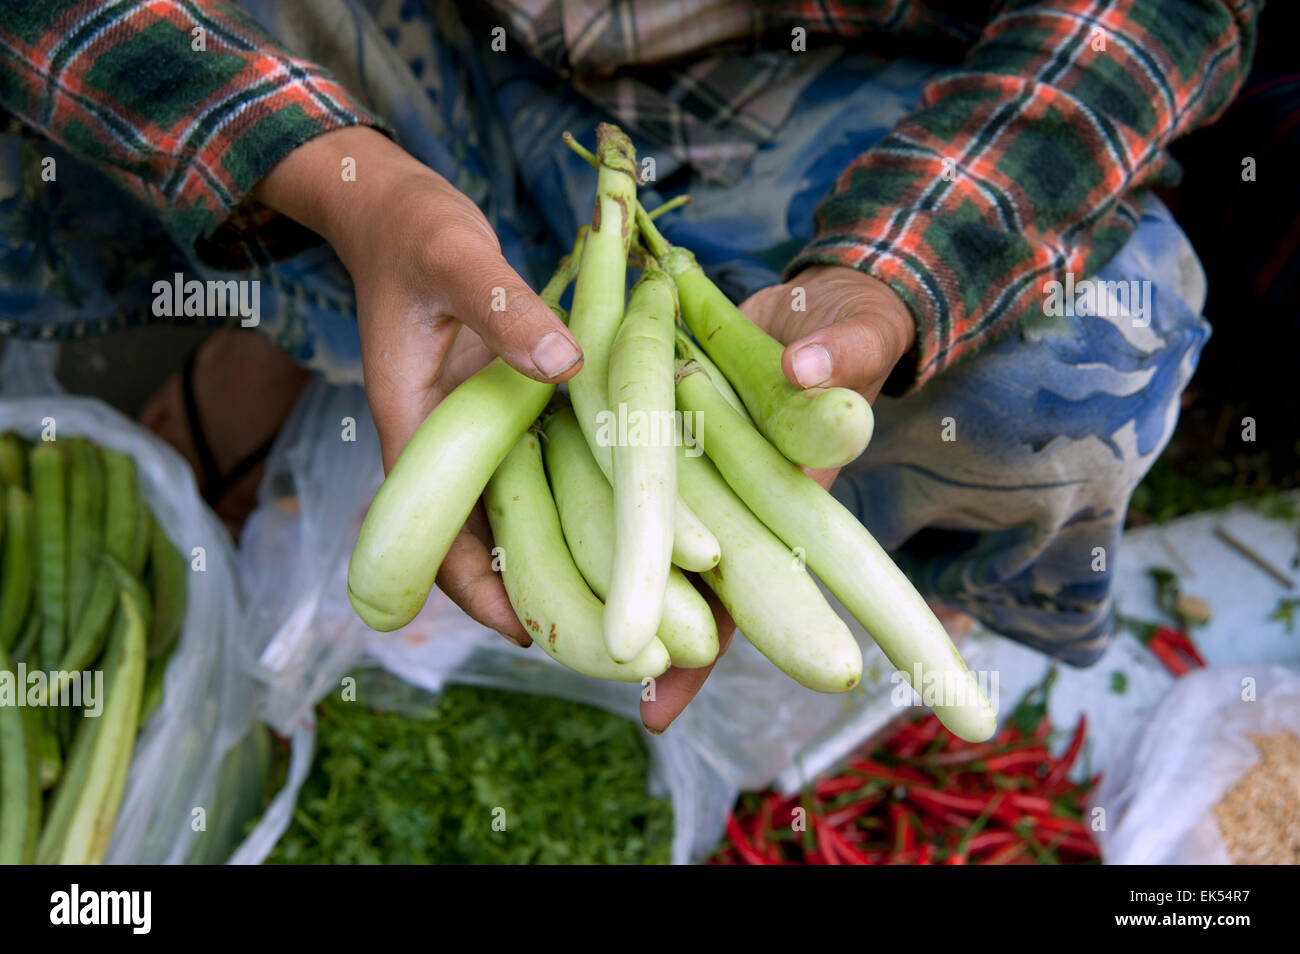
<point>207,463</point>
<point>215,483</point>
<point>254,458</point>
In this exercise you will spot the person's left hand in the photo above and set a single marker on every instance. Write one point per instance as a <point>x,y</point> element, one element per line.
<point>851,333</point>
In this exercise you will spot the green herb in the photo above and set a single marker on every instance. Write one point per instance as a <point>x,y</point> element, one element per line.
<point>1166,583</point>
<point>1285,612</point>
<point>1276,506</point>
<point>1141,628</point>
<point>433,783</point>
<point>1168,491</point>
<point>1118,683</point>
<point>1184,609</point>
<point>1033,706</point>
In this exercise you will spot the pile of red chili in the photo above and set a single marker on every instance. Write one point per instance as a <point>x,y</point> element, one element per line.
<point>926,797</point>
<point>1175,650</point>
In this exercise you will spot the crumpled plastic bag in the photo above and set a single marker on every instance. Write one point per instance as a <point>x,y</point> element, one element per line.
<point>207,706</point>
<point>1159,790</point>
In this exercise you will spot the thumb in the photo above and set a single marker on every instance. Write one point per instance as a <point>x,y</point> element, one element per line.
<point>512,320</point>
<point>859,330</point>
<point>855,353</point>
<point>856,349</point>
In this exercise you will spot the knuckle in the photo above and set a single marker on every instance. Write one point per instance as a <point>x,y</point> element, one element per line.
<point>871,344</point>
<point>508,307</point>
<point>447,245</point>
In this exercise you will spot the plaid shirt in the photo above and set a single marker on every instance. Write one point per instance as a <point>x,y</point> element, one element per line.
<point>1017,168</point>
<point>119,82</point>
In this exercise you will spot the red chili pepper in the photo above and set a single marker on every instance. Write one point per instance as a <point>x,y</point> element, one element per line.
<point>988,840</point>
<point>1166,652</point>
<point>1005,855</point>
<point>970,753</point>
<point>842,816</point>
<point>1191,649</point>
<point>742,846</point>
<point>1180,642</point>
<point>1056,823</point>
<point>904,835</point>
<point>932,805</point>
<point>1080,845</point>
<point>1022,758</point>
<point>829,788</point>
<point>915,736</point>
<point>827,849</point>
<point>834,841</point>
<point>782,808</point>
<point>762,827</point>
<point>964,804</point>
<point>1062,768</point>
<point>1033,804</point>
<point>899,775</point>
<point>1044,728</point>
<point>1007,814</point>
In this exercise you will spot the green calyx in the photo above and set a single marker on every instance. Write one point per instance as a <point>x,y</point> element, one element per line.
<point>614,149</point>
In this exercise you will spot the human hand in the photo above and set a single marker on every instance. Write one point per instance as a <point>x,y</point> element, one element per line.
<point>850,332</point>
<point>428,271</point>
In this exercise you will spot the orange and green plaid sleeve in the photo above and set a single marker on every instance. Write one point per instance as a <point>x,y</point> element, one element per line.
<point>188,103</point>
<point>1024,163</point>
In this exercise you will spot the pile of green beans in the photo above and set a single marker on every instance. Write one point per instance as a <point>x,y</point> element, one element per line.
<point>89,583</point>
<point>607,539</point>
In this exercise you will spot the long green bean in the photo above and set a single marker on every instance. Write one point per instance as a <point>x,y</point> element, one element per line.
<point>85,523</point>
<point>20,785</point>
<point>49,493</point>
<point>16,581</point>
<point>91,823</point>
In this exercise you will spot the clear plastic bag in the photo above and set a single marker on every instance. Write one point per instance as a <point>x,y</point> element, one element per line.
<point>1160,788</point>
<point>750,725</point>
<point>208,702</point>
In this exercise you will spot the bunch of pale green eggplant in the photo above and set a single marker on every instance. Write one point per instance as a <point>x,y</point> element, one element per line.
<point>679,450</point>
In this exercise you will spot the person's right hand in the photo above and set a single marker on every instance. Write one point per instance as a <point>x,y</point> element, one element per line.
<point>428,270</point>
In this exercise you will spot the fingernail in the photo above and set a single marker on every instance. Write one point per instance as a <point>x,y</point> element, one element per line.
<point>555,354</point>
<point>514,639</point>
<point>812,366</point>
<point>654,731</point>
